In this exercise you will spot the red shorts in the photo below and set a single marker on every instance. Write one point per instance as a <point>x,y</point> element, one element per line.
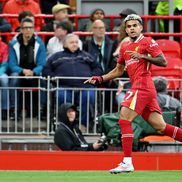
<point>143,101</point>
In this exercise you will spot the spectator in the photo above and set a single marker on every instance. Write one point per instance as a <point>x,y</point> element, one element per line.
<point>101,47</point>
<point>27,56</point>
<point>96,14</point>
<point>60,13</point>
<point>55,44</point>
<point>165,101</point>
<point>163,9</point>
<point>72,62</point>
<point>124,13</point>
<point>22,15</point>
<point>17,6</point>
<point>68,136</point>
<point>46,5</point>
<point>4,78</point>
<point>4,25</point>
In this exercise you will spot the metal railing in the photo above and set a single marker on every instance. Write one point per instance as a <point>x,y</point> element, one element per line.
<point>29,103</point>
<point>111,18</point>
<point>151,24</point>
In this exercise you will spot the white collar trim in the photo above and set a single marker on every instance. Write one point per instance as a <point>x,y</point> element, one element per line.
<point>139,38</point>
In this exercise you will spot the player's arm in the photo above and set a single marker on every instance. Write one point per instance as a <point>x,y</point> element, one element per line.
<point>159,60</point>
<point>116,72</point>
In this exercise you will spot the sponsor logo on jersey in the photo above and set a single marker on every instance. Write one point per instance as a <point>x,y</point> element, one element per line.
<point>131,61</point>
<point>153,43</point>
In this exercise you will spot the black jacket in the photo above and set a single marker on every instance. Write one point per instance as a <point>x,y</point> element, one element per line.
<point>69,64</point>
<point>68,136</point>
<point>110,46</point>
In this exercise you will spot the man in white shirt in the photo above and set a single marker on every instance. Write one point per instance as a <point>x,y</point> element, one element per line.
<point>61,29</point>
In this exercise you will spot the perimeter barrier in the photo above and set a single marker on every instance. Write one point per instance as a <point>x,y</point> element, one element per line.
<point>34,109</point>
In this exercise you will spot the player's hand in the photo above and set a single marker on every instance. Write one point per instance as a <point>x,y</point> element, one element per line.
<point>95,80</point>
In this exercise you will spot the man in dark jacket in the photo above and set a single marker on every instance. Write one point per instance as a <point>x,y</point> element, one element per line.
<point>101,46</point>
<point>72,62</point>
<point>68,136</point>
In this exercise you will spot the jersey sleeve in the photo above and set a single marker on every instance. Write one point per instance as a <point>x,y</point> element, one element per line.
<point>153,48</point>
<point>121,58</point>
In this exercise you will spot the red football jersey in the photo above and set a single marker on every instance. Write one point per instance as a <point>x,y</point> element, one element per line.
<point>139,70</point>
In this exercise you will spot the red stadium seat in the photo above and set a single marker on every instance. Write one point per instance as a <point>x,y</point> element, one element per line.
<point>173,69</point>
<point>170,48</point>
<point>173,72</point>
<point>4,1</point>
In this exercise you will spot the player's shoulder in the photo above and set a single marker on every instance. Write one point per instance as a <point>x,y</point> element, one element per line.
<point>125,44</point>
<point>150,41</point>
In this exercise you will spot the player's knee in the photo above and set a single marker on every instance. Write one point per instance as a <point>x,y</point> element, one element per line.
<point>161,129</point>
<point>127,114</point>
<point>122,116</point>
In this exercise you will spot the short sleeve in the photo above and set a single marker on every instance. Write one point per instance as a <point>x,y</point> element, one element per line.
<point>153,48</point>
<point>121,58</point>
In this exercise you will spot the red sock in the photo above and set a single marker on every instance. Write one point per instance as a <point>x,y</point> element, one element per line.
<point>173,132</point>
<point>126,137</point>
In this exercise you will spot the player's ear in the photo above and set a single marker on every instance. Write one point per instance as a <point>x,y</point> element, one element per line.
<point>141,27</point>
<point>126,31</point>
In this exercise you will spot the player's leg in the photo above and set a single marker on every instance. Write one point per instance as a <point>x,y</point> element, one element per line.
<point>133,104</point>
<point>157,122</point>
<point>125,122</point>
<point>152,114</point>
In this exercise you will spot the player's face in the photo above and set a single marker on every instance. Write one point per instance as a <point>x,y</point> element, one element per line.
<point>133,29</point>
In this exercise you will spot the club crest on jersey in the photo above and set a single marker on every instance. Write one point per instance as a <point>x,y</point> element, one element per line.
<point>136,48</point>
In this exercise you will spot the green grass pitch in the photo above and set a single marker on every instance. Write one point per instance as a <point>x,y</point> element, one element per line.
<point>89,176</point>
